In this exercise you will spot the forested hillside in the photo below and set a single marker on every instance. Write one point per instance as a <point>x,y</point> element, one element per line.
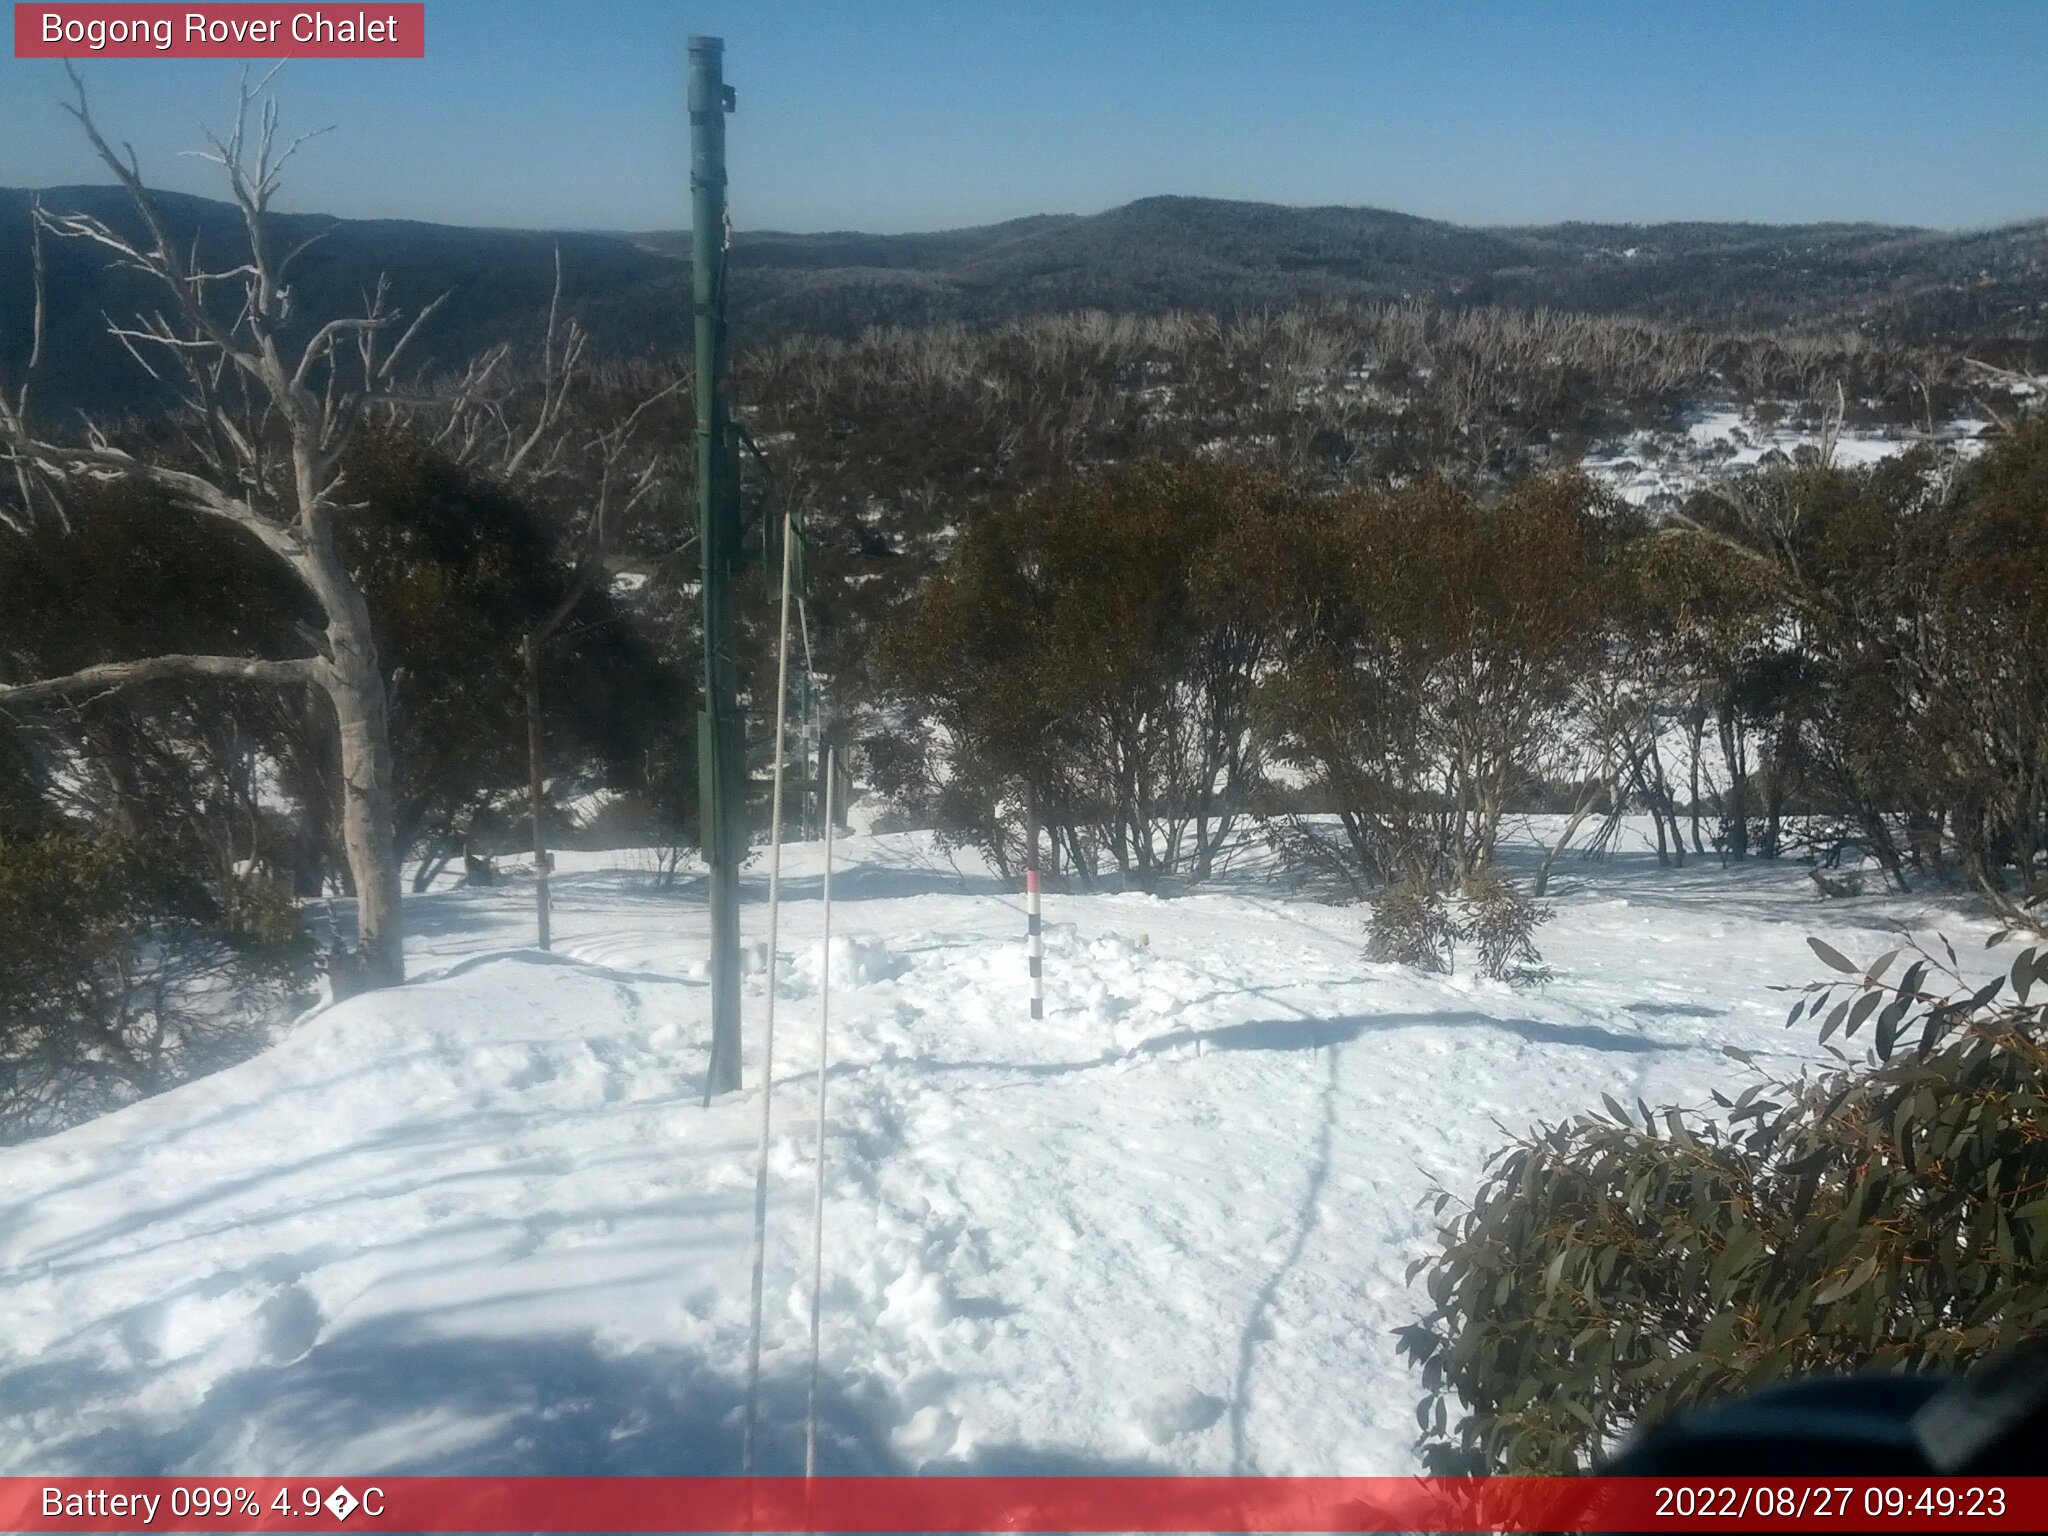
<point>1986,292</point>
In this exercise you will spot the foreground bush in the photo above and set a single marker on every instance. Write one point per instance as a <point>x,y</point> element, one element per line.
<point>1616,1269</point>
<point>120,977</point>
<point>1412,923</point>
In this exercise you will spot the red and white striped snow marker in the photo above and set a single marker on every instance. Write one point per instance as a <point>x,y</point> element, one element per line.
<point>1037,941</point>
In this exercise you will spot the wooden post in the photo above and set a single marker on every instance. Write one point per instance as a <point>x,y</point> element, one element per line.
<point>536,797</point>
<point>1034,936</point>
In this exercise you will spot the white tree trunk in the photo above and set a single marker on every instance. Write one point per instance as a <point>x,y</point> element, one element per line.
<point>354,684</point>
<point>356,690</point>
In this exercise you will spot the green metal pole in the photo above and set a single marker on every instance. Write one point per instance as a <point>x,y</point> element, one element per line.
<point>720,743</point>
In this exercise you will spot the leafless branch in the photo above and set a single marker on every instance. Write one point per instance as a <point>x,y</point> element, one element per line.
<point>2009,375</point>
<point>561,350</point>
<point>39,313</point>
<point>101,460</point>
<point>111,676</point>
<point>14,415</point>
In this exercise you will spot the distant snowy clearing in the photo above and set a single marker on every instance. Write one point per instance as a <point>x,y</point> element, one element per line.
<point>1660,469</point>
<point>482,1224</point>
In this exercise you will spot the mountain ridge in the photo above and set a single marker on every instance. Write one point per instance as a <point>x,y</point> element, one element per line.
<point>1149,256</point>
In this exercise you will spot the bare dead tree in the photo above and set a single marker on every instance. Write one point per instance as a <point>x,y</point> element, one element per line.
<point>527,436</point>
<point>616,495</point>
<point>16,408</point>
<point>266,424</point>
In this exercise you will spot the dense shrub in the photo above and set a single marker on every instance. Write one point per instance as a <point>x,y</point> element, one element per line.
<point>1411,925</point>
<point>121,976</point>
<point>1091,650</point>
<point>1432,646</point>
<point>1616,1268</point>
<point>1500,924</point>
<point>456,569</point>
<point>1899,686</point>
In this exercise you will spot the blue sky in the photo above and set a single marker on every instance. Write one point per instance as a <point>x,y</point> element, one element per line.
<point>913,114</point>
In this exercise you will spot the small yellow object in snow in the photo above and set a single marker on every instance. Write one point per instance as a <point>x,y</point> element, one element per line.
<point>1144,941</point>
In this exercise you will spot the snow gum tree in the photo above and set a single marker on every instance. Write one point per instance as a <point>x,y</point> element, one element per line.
<point>269,404</point>
<point>1437,644</point>
<point>1896,659</point>
<point>1094,645</point>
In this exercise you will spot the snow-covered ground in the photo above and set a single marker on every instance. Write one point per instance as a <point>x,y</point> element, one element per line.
<point>482,1224</point>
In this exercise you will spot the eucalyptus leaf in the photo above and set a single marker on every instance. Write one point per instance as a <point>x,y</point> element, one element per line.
<point>1834,957</point>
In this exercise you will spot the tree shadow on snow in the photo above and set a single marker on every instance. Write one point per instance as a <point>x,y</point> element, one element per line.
<point>528,955</point>
<point>1674,1011</point>
<point>868,882</point>
<point>1305,1034</point>
<point>1308,1034</point>
<point>385,1399</point>
<point>382,1398</point>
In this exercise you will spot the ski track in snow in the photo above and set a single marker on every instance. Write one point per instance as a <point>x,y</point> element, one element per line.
<point>482,1224</point>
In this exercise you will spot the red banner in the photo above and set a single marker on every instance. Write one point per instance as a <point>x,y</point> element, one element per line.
<point>1031,1504</point>
<point>217,31</point>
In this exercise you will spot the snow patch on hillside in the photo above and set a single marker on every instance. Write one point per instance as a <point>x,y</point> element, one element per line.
<point>1659,469</point>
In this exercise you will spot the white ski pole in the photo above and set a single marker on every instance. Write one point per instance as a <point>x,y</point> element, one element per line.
<point>747,1454</point>
<point>818,1193</point>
